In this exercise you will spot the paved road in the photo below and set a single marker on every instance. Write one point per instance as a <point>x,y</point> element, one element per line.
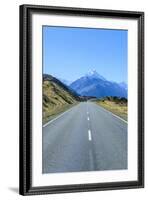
<point>85,138</point>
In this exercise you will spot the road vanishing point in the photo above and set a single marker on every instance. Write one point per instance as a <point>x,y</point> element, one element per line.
<point>84,138</point>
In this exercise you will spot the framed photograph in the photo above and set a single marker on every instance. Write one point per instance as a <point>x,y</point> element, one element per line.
<point>81,99</point>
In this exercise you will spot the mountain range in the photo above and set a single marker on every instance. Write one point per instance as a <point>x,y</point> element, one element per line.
<point>93,84</point>
<point>59,96</point>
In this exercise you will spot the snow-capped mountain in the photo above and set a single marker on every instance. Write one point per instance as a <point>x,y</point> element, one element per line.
<point>93,84</point>
<point>94,74</point>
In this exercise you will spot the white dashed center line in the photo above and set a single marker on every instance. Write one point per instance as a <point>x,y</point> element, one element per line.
<point>89,135</point>
<point>89,131</point>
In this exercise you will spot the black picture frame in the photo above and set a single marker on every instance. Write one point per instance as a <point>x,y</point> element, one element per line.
<point>25,187</point>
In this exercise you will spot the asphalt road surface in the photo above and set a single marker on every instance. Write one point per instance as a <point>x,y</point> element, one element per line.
<point>84,138</point>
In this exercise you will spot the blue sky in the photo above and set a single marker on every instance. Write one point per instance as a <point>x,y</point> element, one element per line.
<point>69,53</point>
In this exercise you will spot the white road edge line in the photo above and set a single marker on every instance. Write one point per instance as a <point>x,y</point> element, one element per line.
<point>113,114</point>
<point>58,117</point>
<point>120,118</point>
<point>89,135</point>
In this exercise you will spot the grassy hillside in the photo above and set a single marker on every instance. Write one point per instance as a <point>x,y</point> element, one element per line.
<point>57,97</point>
<point>116,105</point>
